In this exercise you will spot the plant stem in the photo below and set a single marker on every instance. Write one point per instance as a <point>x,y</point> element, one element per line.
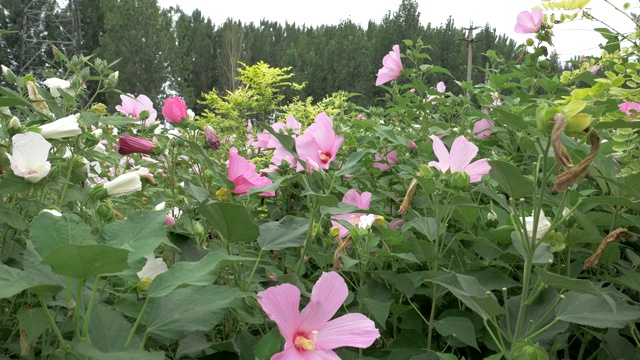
<point>135,325</point>
<point>52,322</point>
<point>255,267</point>
<point>87,315</point>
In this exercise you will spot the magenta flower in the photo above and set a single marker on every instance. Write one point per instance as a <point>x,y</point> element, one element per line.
<point>630,108</point>
<point>244,175</point>
<point>351,197</point>
<point>391,66</point>
<point>319,142</point>
<point>462,152</point>
<point>174,109</point>
<point>310,334</point>
<point>134,107</point>
<point>132,145</point>
<point>385,163</point>
<point>528,22</point>
<point>481,128</point>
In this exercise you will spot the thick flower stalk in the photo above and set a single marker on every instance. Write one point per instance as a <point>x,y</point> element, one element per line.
<point>29,156</point>
<point>62,128</point>
<point>132,145</point>
<point>459,160</point>
<point>391,66</point>
<point>244,176</point>
<point>310,334</point>
<point>175,110</point>
<point>319,142</point>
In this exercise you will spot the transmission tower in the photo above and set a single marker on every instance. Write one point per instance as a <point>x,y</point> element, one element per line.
<point>47,23</point>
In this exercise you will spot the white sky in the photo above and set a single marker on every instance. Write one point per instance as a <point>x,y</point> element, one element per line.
<point>571,38</point>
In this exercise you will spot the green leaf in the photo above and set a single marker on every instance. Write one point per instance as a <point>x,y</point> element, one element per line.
<point>188,309</point>
<point>33,321</point>
<point>428,226</point>
<point>6,102</point>
<point>11,217</point>
<point>129,354</point>
<point>49,231</point>
<point>459,327</point>
<point>542,254</point>
<point>202,272</point>
<point>510,179</point>
<point>233,222</point>
<point>491,278</point>
<point>586,309</point>
<point>12,184</point>
<point>86,261</point>
<point>192,345</point>
<point>509,120</point>
<point>14,281</point>
<point>141,233</point>
<point>290,231</point>
<point>117,120</point>
<point>470,292</point>
<point>287,142</point>
<point>354,161</point>
<point>198,193</point>
<point>108,329</point>
<point>269,345</point>
<point>377,299</point>
<point>577,285</point>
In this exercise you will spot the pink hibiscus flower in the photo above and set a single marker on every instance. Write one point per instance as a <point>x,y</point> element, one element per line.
<point>134,107</point>
<point>630,108</point>
<point>352,197</point>
<point>310,334</point>
<point>462,152</point>
<point>385,163</point>
<point>391,66</point>
<point>481,128</point>
<point>244,175</point>
<point>319,142</point>
<point>528,22</point>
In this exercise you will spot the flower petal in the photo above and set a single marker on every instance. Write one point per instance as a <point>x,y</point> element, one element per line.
<point>282,304</point>
<point>477,169</point>
<point>441,152</point>
<point>327,296</point>
<point>462,152</point>
<point>355,330</point>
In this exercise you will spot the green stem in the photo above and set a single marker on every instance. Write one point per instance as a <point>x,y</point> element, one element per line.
<point>135,325</point>
<point>52,322</point>
<point>255,267</point>
<point>525,294</point>
<point>87,316</point>
<point>309,236</point>
<point>432,315</point>
<point>78,308</point>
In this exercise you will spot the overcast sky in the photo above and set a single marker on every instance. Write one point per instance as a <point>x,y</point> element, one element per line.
<point>572,38</point>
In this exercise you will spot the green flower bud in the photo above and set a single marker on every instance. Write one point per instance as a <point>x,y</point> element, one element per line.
<point>426,171</point>
<point>9,75</point>
<point>98,192</point>
<point>529,42</point>
<point>555,240</point>
<point>104,212</point>
<point>525,349</point>
<point>459,180</point>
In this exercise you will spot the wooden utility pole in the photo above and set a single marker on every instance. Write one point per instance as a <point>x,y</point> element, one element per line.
<point>469,40</point>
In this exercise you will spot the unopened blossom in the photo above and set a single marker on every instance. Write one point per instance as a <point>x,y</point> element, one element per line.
<point>391,66</point>
<point>319,142</point>
<point>14,123</point>
<point>244,176</point>
<point>462,152</point>
<point>175,109</point>
<point>528,22</point>
<point>132,145</point>
<point>134,107</point>
<point>56,85</point>
<point>211,138</point>
<point>593,69</point>
<point>310,334</point>
<point>412,144</point>
<point>62,128</point>
<point>543,225</point>
<point>124,184</point>
<point>481,128</point>
<point>152,268</point>
<point>385,163</point>
<point>29,155</point>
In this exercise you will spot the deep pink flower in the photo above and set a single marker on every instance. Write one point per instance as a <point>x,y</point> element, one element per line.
<point>310,334</point>
<point>352,197</point>
<point>319,142</point>
<point>385,163</point>
<point>391,66</point>
<point>132,145</point>
<point>628,106</point>
<point>462,152</point>
<point>481,128</point>
<point>528,22</point>
<point>244,176</point>
<point>174,109</point>
<point>170,220</point>
<point>134,107</point>
<point>412,144</point>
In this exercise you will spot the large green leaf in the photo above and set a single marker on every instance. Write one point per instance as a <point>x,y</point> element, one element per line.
<point>459,327</point>
<point>33,321</point>
<point>14,281</point>
<point>469,291</point>
<point>86,261</point>
<point>377,299</point>
<point>542,254</point>
<point>108,329</point>
<point>11,217</point>
<point>49,231</point>
<point>577,285</point>
<point>129,354</point>
<point>354,161</point>
<point>233,222</point>
<point>290,231</point>
<point>12,184</point>
<point>510,179</point>
<point>188,309</point>
<point>141,232</point>
<point>202,272</point>
<point>269,345</point>
<point>590,310</point>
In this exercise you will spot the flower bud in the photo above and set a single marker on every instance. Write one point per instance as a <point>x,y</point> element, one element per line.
<point>99,108</point>
<point>222,194</point>
<point>40,105</point>
<point>9,75</point>
<point>112,80</point>
<point>459,179</point>
<point>211,138</point>
<point>426,171</point>
<point>525,349</point>
<point>14,123</point>
<point>529,42</point>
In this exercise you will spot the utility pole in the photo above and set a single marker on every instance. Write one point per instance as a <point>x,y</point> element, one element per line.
<point>469,40</point>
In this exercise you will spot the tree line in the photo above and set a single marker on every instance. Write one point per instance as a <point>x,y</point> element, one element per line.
<point>165,51</point>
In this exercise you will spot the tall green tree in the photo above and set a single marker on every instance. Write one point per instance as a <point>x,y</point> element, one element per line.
<point>232,50</point>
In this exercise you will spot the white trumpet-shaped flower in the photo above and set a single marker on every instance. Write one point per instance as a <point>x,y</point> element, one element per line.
<point>152,268</point>
<point>29,156</point>
<point>542,228</point>
<point>55,85</point>
<point>124,184</point>
<point>61,128</point>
